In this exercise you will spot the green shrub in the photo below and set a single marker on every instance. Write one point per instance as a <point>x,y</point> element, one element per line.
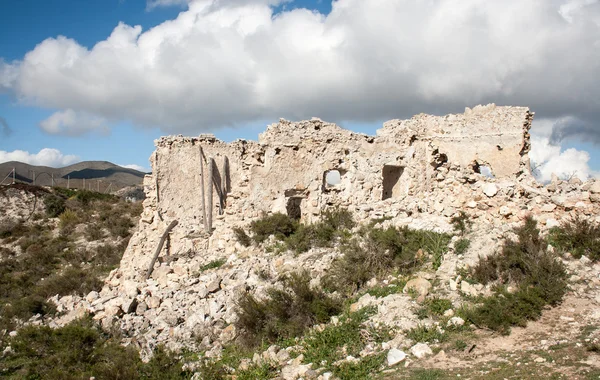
<point>434,307</point>
<point>277,224</point>
<point>423,334</point>
<point>108,255</point>
<point>14,229</point>
<point>540,279</point>
<point>54,205</point>
<point>68,220</point>
<point>462,223</point>
<point>242,237</point>
<point>73,280</point>
<point>93,232</point>
<point>579,236</point>
<point>80,350</point>
<point>213,264</point>
<point>377,251</point>
<point>348,337</point>
<point>286,312</point>
<point>120,226</point>
<point>461,246</point>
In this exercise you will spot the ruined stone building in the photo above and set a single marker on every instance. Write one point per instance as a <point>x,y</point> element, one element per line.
<point>418,172</point>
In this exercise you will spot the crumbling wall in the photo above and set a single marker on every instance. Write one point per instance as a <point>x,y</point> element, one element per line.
<point>286,171</point>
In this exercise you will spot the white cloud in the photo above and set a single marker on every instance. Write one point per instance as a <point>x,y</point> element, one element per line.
<point>45,157</point>
<point>231,62</point>
<point>547,159</point>
<point>71,123</point>
<point>151,4</point>
<point>139,168</point>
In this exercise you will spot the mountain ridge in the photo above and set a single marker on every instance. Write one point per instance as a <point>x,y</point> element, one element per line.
<point>97,175</point>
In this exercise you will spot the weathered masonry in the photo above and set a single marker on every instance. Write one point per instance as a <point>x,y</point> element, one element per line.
<point>300,168</point>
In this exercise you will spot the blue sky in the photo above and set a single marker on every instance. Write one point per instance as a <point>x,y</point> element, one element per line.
<point>26,23</point>
<point>358,65</point>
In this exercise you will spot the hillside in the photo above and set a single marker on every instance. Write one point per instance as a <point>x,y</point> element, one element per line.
<point>98,175</point>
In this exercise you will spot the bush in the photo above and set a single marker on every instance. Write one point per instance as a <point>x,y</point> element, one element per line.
<point>434,307</point>
<point>81,350</point>
<point>376,251</point>
<point>462,223</point>
<point>93,232</point>
<point>73,280</point>
<point>120,226</point>
<point>213,265</point>
<point>578,236</point>
<point>285,313</point>
<point>334,223</point>
<point>242,237</point>
<point>461,246</point>
<point>10,228</point>
<point>54,205</point>
<point>540,279</point>
<point>68,220</point>
<point>277,224</point>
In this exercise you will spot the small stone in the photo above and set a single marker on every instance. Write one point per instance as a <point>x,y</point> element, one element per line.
<point>421,350</point>
<point>505,211</point>
<point>214,286</point>
<point>490,189</point>
<point>420,285</point>
<point>456,322</point>
<point>395,356</point>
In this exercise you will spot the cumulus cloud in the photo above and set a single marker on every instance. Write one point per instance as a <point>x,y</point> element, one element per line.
<point>231,62</point>
<point>71,123</point>
<point>139,168</point>
<point>547,159</point>
<point>45,157</point>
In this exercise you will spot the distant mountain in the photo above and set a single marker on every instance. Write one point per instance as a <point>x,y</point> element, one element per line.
<point>97,175</point>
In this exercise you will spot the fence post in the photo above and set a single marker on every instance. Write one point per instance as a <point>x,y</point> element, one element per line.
<point>160,245</point>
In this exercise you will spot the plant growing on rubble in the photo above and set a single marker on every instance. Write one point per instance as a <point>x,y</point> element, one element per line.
<point>540,279</point>
<point>285,312</point>
<point>378,251</point>
<point>579,236</point>
<point>461,223</point>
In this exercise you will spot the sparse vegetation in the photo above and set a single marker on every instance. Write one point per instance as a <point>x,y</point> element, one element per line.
<point>213,265</point>
<point>285,312</point>
<point>81,350</point>
<point>539,279</point>
<point>334,223</point>
<point>277,224</point>
<point>462,223</point>
<point>579,236</point>
<point>242,237</point>
<point>47,265</point>
<point>461,246</point>
<point>377,251</point>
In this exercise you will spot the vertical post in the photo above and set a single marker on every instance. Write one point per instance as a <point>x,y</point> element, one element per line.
<point>209,207</point>
<point>202,191</point>
<point>14,172</point>
<point>84,184</point>
<point>68,182</point>
<point>33,177</point>
<point>52,179</point>
<point>97,186</point>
